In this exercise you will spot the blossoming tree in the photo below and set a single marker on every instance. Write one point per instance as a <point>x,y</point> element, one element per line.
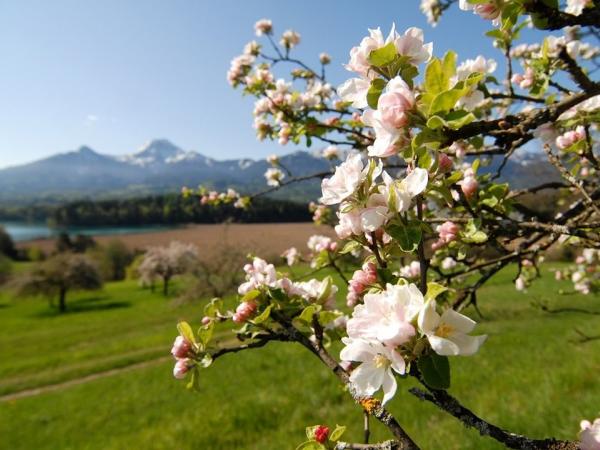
<point>410,132</point>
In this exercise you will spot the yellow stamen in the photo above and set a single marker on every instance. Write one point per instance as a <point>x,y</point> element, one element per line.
<point>380,361</point>
<point>444,330</point>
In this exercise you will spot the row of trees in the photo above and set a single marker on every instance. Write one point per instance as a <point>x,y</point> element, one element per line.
<point>166,209</point>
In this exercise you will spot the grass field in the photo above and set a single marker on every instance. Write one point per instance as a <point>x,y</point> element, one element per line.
<point>529,377</point>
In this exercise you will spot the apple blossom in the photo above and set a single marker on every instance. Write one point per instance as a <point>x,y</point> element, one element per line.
<point>321,434</point>
<point>274,176</point>
<point>182,366</point>
<point>413,270</point>
<point>524,81</point>
<point>590,435</point>
<point>386,316</point>
<point>403,192</point>
<point>181,347</point>
<point>448,232</point>
<point>571,137</point>
<point>263,26</point>
<point>318,243</point>
<point>520,284</point>
<point>324,58</point>
<point>273,159</point>
<point>331,152</point>
<point>206,320</point>
<point>432,10</point>
<point>291,255</point>
<point>359,56</point>
<point>477,65</point>
<point>355,91</point>
<point>576,7</point>
<point>290,39</point>
<point>378,362</point>
<point>488,10</point>
<point>448,263</point>
<point>445,163</point>
<point>448,334</point>
<point>314,291</point>
<point>469,186</point>
<point>459,149</point>
<point>344,181</point>
<point>412,45</point>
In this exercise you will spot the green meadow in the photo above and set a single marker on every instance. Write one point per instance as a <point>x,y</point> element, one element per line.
<point>531,377</point>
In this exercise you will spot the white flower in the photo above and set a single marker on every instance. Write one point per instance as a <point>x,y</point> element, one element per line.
<point>355,91</point>
<point>263,26</point>
<point>477,65</point>
<point>359,56</point>
<point>412,45</point>
<point>448,333</point>
<point>331,152</point>
<point>315,291</point>
<point>385,316</point>
<point>317,243</point>
<point>258,274</point>
<point>432,10</point>
<point>400,194</point>
<point>349,223</point>
<point>576,7</point>
<point>591,104</point>
<point>448,263</point>
<point>413,270</point>
<point>273,159</point>
<point>590,435</point>
<point>347,177</point>
<point>375,372</point>
<point>520,284</point>
<point>274,176</point>
<point>290,39</point>
<point>291,255</point>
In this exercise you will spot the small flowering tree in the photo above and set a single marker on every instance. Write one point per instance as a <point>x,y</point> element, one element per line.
<point>412,200</point>
<point>164,263</point>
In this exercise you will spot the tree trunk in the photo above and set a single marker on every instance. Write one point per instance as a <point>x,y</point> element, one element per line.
<point>166,286</point>
<point>62,303</point>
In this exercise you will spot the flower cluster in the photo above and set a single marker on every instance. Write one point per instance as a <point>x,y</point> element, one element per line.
<point>391,329</point>
<point>183,351</point>
<point>585,274</point>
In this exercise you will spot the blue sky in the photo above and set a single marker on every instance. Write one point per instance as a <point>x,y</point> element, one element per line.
<point>113,74</point>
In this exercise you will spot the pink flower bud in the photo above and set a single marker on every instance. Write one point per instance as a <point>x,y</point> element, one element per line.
<point>333,246</point>
<point>580,260</point>
<point>206,320</point>
<point>469,186</point>
<point>181,347</point>
<point>181,368</point>
<point>351,299</point>
<point>321,434</point>
<point>444,163</point>
<point>394,107</point>
<point>356,286</point>
<point>448,231</point>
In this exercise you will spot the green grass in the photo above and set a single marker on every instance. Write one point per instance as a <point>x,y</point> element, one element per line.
<point>528,378</point>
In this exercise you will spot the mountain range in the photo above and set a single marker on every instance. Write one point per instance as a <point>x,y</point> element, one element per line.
<point>160,166</point>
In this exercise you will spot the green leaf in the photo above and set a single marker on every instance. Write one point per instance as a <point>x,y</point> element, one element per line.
<point>205,333</point>
<point>326,289</point>
<point>433,290</point>
<point>458,119</point>
<point>307,313</point>
<point>251,295</point>
<point>337,433</point>
<point>446,100</point>
<point>212,308</point>
<point>374,92</point>
<point>449,66</point>
<point>349,247</point>
<point>435,370</point>
<point>186,331</point>
<point>383,56</point>
<point>194,383</point>
<point>264,315</point>
<point>311,445</point>
<point>408,237</point>
<point>326,317</point>
<point>435,80</point>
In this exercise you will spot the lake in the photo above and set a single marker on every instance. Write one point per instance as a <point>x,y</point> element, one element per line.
<point>22,231</point>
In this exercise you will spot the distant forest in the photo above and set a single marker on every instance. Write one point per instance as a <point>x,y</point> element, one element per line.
<point>164,209</point>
